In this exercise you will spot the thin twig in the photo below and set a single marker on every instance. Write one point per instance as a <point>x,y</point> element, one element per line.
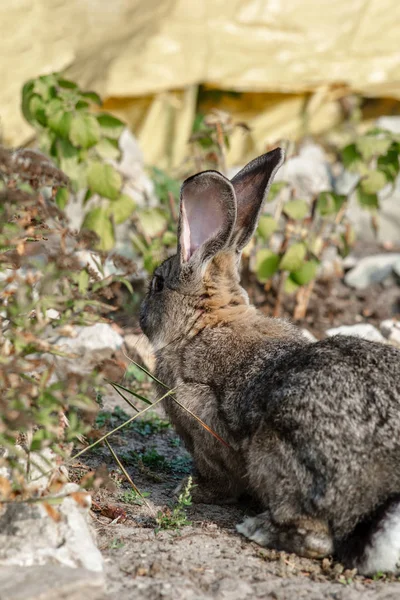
<point>125,472</point>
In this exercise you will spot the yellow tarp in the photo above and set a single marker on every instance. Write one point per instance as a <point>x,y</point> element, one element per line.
<point>135,52</point>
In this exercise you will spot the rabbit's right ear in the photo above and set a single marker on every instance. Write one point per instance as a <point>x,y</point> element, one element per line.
<point>207,216</point>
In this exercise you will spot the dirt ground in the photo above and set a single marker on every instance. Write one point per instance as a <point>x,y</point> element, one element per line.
<point>208,559</point>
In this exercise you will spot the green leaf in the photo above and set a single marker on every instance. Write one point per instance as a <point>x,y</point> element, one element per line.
<point>296,209</point>
<point>389,163</point>
<point>293,258</point>
<point>104,180</point>
<point>267,263</point>
<point>291,286</point>
<point>329,203</point>
<point>368,201</point>
<point>62,198</point>
<point>76,171</point>
<point>152,221</point>
<point>54,106</point>
<point>45,86</point>
<point>81,105</point>
<point>93,97</point>
<point>84,130</point>
<point>37,109</point>
<point>122,208</point>
<point>111,127</point>
<point>306,273</point>
<point>353,161</point>
<point>169,239</point>
<point>108,149</point>
<point>27,92</point>
<point>266,226</point>
<point>60,123</point>
<point>370,145</point>
<point>373,183</point>
<point>350,155</point>
<point>67,84</point>
<point>83,282</point>
<point>98,220</point>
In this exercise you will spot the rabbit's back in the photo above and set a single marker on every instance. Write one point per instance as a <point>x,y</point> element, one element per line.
<point>330,412</point>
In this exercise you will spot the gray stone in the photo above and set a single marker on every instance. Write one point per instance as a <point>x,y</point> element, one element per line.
<point>29,536</point>
<point>50,582</point>
<point>362,330</point>
<point>89,346</point>
<point>371,269</point>
<point>390,328</point>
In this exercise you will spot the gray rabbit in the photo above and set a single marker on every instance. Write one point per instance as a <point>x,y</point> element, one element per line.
<point>313,428</point>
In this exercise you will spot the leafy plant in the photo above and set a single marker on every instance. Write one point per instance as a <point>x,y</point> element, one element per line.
<point>289,243</point>
<point>374,158</point>
<point>176,516</point>
<point>82,142</point>
<point>132,497</point>
<point>45,291</point>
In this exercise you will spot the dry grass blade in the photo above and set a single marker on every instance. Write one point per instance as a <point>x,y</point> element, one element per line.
<point>219,438</point>
<point>115,386</point>
<point>145,371</point>
<point>121,466</point>
<point>124,424</point>
<point>139,396</point>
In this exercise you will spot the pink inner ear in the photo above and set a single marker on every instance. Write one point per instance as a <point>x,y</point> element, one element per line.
<point>185,241</point>
<point>202,218</point>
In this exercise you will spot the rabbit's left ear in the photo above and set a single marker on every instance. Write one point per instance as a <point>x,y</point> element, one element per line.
<point>251,186</point>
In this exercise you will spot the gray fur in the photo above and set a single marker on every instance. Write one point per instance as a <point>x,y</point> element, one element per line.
<point>313,428</point>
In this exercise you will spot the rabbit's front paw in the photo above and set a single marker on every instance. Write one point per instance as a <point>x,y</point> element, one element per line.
<point>304,536</point>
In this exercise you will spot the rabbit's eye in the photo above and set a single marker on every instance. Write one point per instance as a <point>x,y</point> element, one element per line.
<point>157,285</point>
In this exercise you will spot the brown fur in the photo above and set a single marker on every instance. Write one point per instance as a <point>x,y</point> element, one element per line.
<point>313,430</point>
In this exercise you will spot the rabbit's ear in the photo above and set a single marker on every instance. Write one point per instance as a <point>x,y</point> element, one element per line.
<point>207,216</point>
<point>251,186</point>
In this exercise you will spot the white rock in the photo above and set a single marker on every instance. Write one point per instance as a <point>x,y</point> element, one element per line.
<point>307,334</point>
<point>40,583</point>
<point>371,269</point>
<point>308,172</point>
<point>29,536</point>
<point>362,330</point>
<point>390,328</point>
<point>90,346</point>
<point>389,123</point>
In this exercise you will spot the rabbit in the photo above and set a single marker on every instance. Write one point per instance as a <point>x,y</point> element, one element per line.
<point>311,429</point>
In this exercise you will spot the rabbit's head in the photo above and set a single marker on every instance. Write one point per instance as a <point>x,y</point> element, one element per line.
<point>199,286</point>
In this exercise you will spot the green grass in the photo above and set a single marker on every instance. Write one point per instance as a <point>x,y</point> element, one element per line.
<point>176,517</point>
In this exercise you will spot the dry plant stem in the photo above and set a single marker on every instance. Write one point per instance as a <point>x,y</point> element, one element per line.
<point>121,466</point>
<point>172,209</point>
<point>281,291</point>
<point>302,300</point>
<point>221,146</point>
